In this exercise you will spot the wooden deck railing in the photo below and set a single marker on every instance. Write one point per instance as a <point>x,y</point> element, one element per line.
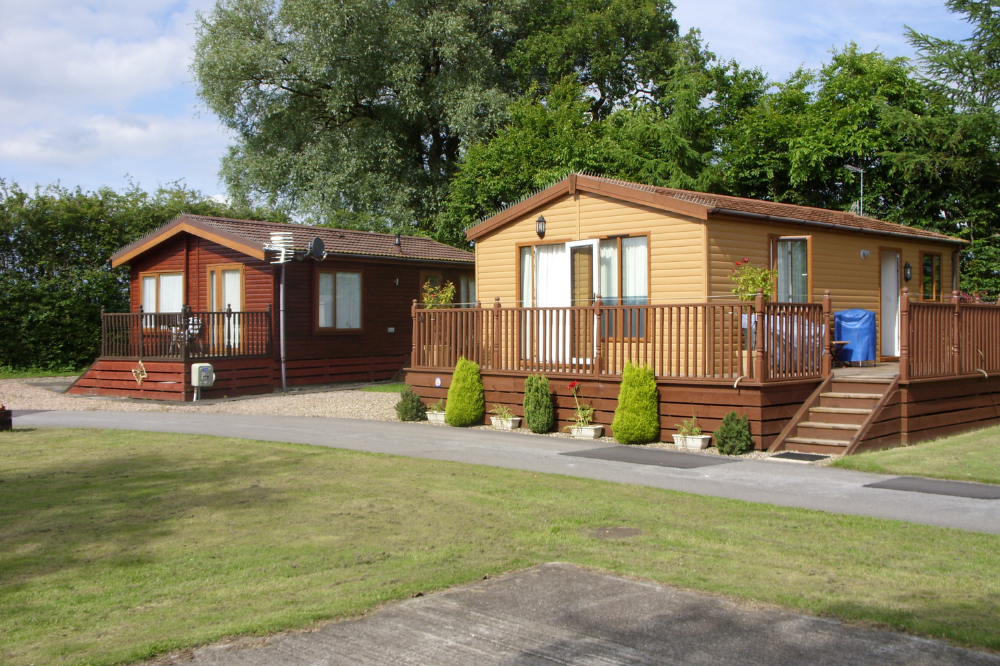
<point>948,339</point>
<point>715,342</point>
<point>185,335</point>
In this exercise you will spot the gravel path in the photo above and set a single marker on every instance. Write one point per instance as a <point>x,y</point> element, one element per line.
<point>354,404</point>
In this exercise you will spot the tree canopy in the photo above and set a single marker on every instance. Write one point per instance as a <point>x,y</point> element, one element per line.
<point>357,112</point>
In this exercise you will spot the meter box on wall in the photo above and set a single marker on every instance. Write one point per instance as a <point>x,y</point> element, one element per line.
<point>202,375</point>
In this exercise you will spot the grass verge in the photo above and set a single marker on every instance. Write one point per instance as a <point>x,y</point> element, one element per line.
<point>971,456</point>
<point>385,388</point>
<point>117,546</point>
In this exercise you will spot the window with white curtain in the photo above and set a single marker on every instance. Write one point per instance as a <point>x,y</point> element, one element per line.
<point>162,292</point>
<point>608,272</point>
<point>792,264</point>
<point>635,271</point>
<point>525,298</point>
<point>338,303</point>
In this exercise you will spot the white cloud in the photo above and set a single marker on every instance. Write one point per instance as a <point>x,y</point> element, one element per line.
<point>780,35</point>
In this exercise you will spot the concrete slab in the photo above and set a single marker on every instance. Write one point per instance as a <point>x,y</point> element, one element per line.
<point>916,484</point>
<point>563,614</point>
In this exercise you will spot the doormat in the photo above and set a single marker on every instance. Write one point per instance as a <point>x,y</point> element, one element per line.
<point>916,484</point>
<point>660,458</point>
<point>800,457</point>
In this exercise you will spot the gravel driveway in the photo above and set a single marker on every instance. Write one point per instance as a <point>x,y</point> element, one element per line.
<point>28,394</point>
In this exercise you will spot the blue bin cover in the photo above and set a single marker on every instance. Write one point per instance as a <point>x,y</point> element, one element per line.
<point>857,328</point>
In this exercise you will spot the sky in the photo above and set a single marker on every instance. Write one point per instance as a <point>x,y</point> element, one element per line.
<point>100,93</point>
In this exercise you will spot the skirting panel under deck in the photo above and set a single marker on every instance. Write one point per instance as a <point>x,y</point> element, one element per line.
<point>768,408</point>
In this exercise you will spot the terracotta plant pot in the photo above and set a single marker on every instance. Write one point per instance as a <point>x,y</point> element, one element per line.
<point>6,420</point>
<point>692,442</point>
<point>587,432</point>
<point>436,417</point>
<point>513,423</point>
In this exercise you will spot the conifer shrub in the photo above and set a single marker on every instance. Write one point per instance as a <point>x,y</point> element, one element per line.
<point>410,407</point>
<point>539,414</point>
<point>466,404</point>
<point>637,417</point>
<point>733,436</point>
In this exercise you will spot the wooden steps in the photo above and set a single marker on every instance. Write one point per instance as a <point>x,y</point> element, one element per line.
<point>834,416</point>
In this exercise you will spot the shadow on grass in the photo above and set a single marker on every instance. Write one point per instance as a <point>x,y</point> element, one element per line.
<point>62,515</point>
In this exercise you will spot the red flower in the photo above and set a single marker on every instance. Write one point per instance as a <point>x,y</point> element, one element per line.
<point>745,259</point>
<point>573,385</point>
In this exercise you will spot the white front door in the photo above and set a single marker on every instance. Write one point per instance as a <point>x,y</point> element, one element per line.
<point>890,303</point>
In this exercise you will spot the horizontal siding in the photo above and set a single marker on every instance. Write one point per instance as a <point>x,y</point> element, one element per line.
<point>837,265</point>
<point>676,245</point>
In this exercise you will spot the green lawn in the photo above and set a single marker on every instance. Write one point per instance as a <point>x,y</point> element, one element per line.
<point>973,456</point>
<point>385,388</point>
<point>115,546</point>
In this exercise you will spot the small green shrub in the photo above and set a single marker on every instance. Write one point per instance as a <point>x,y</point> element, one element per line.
<point>637,417</point>
<point>539,415</point>
<point>733,436</point>
<point>410,407</point>
<point>466,400</point>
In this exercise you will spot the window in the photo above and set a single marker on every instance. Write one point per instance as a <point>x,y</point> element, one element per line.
<point>525,273</point>
<point>338,301</point>
<point>225,288</point>
<point>434,279</point>
<point>791,261</point>
<point>624,270</point>
<point>162,292</point>
<point>467,291</point>
<point>932,277</point>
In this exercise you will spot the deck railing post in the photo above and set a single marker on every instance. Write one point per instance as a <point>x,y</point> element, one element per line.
<point>827,336</point>
<point>104,335</point>
<point>759,365</point>
<point>904,336</point>
<point>228,330</point>
<point>269,340</point>
<point>956,330</point>
<point>142,342</point>
<point>596,319</point>
<point>414,360</point>
<point>495,362</point>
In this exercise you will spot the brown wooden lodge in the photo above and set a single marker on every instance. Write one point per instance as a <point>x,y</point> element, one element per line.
<point>204,289</point>
<point>592,273</point>
<point>578,280</point>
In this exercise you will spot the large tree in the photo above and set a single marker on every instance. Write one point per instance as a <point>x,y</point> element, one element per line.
<point>356,112</point>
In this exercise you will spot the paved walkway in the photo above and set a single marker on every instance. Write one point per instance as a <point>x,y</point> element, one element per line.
<point>563,614</point>
<point>785,484</point>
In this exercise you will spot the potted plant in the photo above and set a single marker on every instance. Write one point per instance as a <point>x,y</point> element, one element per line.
<point>504,419</point>
<point>749,280</point>
<point>689,435</point>
<point>583,417</point>
<point>6,418</point>
<point>435,413</point>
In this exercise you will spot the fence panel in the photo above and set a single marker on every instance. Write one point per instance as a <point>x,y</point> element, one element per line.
<point>794,334</point>
<point>979,342</point>
<point>931,339</point>
<point>180,335</point>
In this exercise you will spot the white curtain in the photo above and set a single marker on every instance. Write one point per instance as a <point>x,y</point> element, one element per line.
<point>793,266</point>
<point>171,292</point>
<point>232,291</point>
<point>526,299</point>
<point>348,300</point>
<point>326,300</point>
<point>609,271</point>
<point>149,293</point>
<point>552,276</point>
<point>635,271</point>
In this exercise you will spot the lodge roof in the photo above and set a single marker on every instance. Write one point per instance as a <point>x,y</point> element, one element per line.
<point>251,237</point>
<point>702,205</point>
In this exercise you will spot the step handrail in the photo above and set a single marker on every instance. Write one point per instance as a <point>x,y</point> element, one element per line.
<point>870,421</point>
<point>779,443</point>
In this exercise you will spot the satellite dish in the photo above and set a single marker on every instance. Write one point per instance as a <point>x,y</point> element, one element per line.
<point>316,249</point>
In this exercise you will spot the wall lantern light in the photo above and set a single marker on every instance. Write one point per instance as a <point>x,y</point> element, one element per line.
<point>540,226</point>
<point>865,254</point>
<point>907,271</point>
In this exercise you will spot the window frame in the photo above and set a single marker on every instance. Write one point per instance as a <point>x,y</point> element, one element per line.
<point>333,330</point>
<point>774,240</point>
<point>463,281</point>
<point>218,286</point>
<point>157,274</point>
<point>940,277</point>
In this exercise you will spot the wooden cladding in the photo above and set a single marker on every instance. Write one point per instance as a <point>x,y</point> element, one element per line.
<point>701,341</point>
<point>186,335</point>
<point>949,339</point>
